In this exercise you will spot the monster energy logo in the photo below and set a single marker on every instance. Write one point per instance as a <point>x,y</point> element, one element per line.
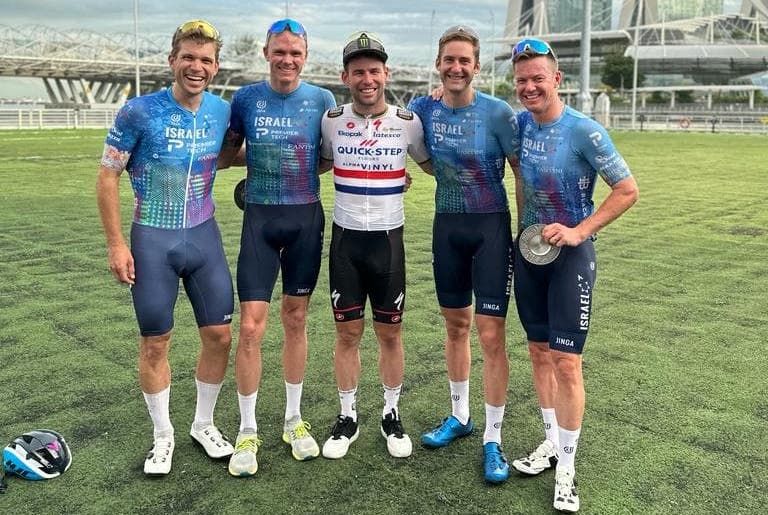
<point>363,40</point>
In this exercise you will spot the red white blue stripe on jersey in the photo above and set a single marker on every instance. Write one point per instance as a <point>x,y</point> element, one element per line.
<point>369,182</point>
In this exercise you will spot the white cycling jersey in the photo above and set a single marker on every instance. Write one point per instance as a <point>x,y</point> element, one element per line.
<point>369,155</point>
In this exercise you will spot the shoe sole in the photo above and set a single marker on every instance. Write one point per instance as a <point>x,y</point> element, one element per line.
<point>395,454</point>
<point>156,474</point>
<point>351,441</point>
<point>566,508</point>
<point>430,445</point>
<point>495,481</point>
<point>242,474</point>
<point>527,471</point>
<point>213,457</point>
<point>297,457</point>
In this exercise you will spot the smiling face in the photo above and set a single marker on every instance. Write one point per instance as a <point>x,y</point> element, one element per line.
<point>457,65</point>
<point>365,76</point>
<point>194,66</point>
<point>286,54</point>
<point>536,82</point>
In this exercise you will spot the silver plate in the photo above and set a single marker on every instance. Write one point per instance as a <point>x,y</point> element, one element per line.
<point>240,194</point>
<point>533,247</point>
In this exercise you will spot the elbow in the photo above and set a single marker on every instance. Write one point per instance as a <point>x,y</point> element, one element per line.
<point>633,196</point>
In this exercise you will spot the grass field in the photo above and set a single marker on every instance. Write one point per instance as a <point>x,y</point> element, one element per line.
<point>675,364</point>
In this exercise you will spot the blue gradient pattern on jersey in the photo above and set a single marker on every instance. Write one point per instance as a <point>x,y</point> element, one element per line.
<point>468,147</point>
<point>559,163</point>
<point>173,157</point>
<point>283,141</point>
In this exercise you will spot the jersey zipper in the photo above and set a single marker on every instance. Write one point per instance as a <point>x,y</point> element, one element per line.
<point>189,168</point>
<point>369,136</point>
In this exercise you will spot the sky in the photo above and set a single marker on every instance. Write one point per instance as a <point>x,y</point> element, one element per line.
<point>408,28</point>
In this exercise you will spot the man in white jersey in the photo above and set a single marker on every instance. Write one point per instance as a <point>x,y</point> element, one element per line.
<point>366,143</point>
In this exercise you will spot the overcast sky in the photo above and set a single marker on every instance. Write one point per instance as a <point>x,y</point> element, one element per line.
<point>403,25</point>
<point>408,28</point>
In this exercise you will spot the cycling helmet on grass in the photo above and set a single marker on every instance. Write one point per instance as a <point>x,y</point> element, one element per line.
<point>36,455</point>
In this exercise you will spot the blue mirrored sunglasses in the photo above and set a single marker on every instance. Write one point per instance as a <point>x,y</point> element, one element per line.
<point>533,46</point>
<point>287,24</point>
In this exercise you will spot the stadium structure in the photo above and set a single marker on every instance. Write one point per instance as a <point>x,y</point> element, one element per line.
<point>697,45</point>
<point>699,40</point>
<point>87,69</point>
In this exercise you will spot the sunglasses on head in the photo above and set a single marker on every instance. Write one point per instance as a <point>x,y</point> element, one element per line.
<point>461,31</point>
<point>532,47</point>
<point>287,24</point>
<point>203,26</point>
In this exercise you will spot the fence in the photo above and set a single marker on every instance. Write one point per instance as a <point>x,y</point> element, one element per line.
<point>724,121</point>
<point>56,118</point>
<point>754,123</point>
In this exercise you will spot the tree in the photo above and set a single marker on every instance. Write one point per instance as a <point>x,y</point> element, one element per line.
<point>618,71</point>
<point>504,90</point>
<point>685,97</point>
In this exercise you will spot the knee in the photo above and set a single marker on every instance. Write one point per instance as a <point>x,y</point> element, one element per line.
<point>348,335</point>
<point>540,355</point>
<point>389,339</point>
<point>491,338</point>
<point>293,318</point>
<point>251,330</point>
<point>568,369</point>
<point>457,330</point>
<point>219,340</point>
<point>154,349</point>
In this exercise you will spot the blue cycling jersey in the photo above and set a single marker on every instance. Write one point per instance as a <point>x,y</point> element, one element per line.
<point>559,162</point>
<point>282,134</point>
<point>173,154</point>
<point>468,147</point>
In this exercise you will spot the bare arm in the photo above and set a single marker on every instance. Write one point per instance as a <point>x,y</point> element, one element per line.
<point>118,254</point>
<point>232,151</point>
<point>515,164</point>
<point>623,194</point>
<point>324,165</point>
<point>426,166</point>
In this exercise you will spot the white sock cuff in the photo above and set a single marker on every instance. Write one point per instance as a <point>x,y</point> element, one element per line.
<point>249,397</point>
<point>294,386</point>
<point>213,387</point>
<point>572,434</point>
<point>397,388</point>
<point>495,410</point>
<point>165,392</point>
<point>459,384</point>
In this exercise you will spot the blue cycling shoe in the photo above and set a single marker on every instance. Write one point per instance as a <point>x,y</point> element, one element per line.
<point>495,466</point>
<point>448,430</point>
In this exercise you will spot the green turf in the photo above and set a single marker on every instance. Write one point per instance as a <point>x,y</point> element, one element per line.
<point>675,365</point>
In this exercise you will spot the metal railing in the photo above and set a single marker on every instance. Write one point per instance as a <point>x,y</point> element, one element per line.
<point>56,118</point>
<point>694,120</point>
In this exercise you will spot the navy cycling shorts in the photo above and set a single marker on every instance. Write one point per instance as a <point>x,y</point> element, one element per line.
<point>472,253</point>
<point>280,237</point>
<point>367,264</point>
<point>554,301</point>
<point>196,255</point>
